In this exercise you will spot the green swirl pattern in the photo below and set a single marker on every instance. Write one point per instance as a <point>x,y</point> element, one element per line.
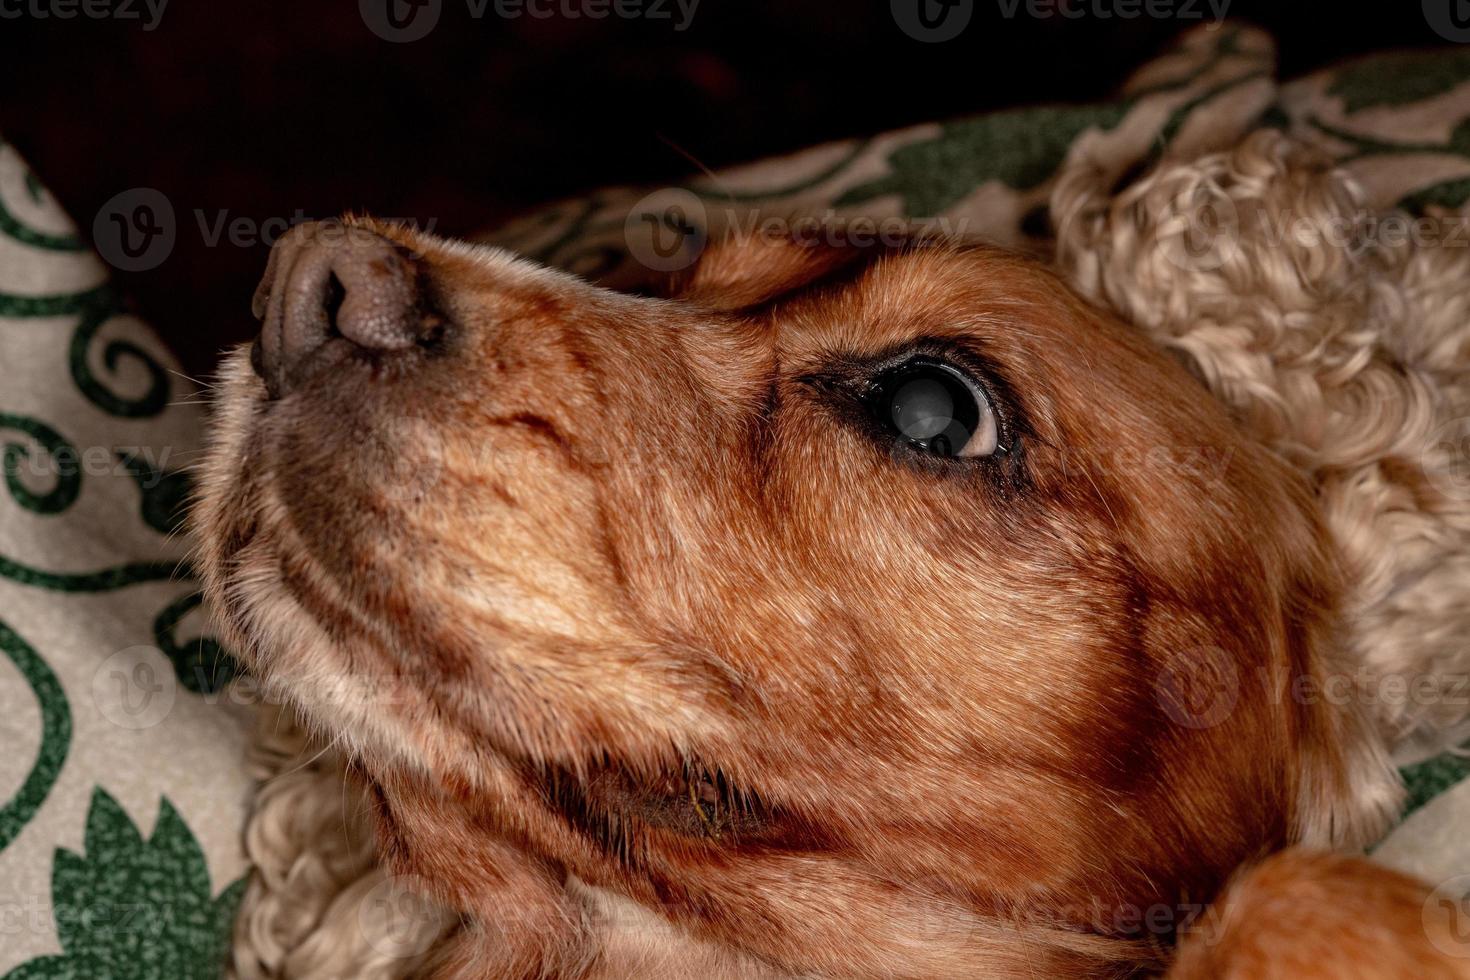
<point>201,665</point>
<point>150,403</point>
<point>68,477</point>
<point>58,304</point>
<point>13,227</point>
<point>102,580</point>
<point>55,735</point>
<point>43,475</point>
<point>94,308</point>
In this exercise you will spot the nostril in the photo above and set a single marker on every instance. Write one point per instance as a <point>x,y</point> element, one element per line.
<point>380,308</point>
<point>326,284</point>
<point>336,293</point>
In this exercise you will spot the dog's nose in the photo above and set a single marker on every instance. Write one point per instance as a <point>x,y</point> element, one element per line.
<point>327,283</point>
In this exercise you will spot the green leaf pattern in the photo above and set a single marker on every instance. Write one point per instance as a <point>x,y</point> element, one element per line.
<point>135,909</point>
<point>1021,149</point>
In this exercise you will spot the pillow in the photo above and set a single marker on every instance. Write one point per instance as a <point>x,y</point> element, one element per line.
<point>123,779</point>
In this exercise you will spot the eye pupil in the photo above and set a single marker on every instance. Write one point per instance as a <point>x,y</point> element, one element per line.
<point>924,407</point>
<point>932,407</point>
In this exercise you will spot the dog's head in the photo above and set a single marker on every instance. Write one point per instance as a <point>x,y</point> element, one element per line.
<point>863,613</point>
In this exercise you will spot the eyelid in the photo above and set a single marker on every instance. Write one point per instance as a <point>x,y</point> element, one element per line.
<point>847,383</point>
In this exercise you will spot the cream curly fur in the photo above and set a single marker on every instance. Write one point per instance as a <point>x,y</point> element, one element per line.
<point>1347,355</point>
<point>318,906</point>
<point>1341,347</point>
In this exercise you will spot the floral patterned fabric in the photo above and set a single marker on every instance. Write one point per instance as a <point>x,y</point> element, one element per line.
<point>122,765</point>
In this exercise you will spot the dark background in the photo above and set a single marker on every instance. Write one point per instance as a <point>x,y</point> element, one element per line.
<point>265,109</point>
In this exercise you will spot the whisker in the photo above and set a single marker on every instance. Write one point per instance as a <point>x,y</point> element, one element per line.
<point>192,380</point>
<point>325,749</point>
<point>714,177</point>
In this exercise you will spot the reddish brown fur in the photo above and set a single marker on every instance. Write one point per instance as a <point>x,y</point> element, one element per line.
<point>1308,916</point>
<point>648,544</point>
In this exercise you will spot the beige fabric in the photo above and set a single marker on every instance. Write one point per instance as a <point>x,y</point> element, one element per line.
<point>117,720</point>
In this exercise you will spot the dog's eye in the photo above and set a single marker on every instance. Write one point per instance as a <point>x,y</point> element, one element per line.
<point>936,408</point>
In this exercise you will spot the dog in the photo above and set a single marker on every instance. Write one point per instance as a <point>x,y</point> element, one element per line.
<point>926,611</point>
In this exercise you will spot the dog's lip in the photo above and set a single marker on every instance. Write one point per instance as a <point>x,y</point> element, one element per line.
<point>333,355</point>
<point>257,357</point>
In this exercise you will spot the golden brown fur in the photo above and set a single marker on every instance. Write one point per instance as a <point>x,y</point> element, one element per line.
<point>1326,916</point>
<point>656,663</point>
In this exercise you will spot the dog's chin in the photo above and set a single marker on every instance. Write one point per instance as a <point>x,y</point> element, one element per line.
<point>290,654</point>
